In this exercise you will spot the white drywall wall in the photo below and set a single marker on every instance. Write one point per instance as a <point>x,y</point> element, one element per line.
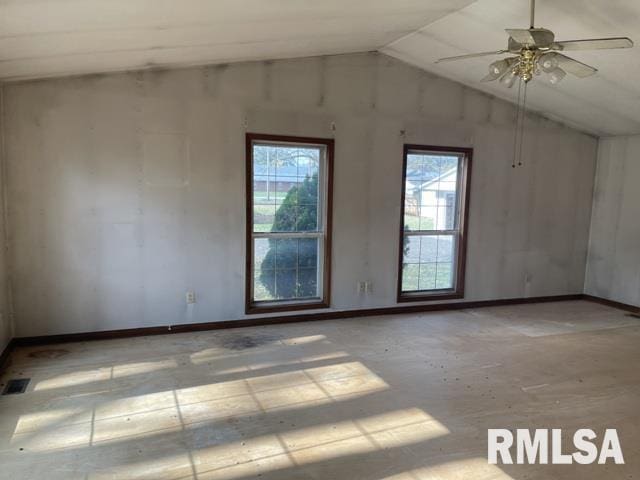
<point>613,269</point>
<point>103,236</point>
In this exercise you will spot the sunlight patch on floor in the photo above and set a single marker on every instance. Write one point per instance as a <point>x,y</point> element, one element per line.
<point>293,448</point>
<point>102,374</point>
<point>128,369</point>
<point>469,468</point>
<point>32,422</point>
<point>170,411</point>
<point>74,379</point>
<point>300,361</point>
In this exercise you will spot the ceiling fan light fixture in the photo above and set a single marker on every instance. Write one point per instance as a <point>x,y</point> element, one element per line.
<point>548,62</point>
<point>498,67</point>
<point>556,75</point>
<point>508,79</point>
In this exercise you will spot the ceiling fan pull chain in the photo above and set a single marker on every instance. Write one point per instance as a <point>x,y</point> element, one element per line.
<point>515,134</point>
<point>524,118</point>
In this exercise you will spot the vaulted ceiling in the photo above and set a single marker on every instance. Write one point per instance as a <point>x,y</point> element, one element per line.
<point>44,38</point>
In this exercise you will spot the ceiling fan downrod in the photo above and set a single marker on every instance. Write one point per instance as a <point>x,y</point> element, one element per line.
<point>532,13</point>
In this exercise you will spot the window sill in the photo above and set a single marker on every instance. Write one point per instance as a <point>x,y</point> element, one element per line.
<point>273,307</point>
<point>430,297</point>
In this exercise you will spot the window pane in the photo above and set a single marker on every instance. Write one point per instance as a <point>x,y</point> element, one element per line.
<point>445,218</point>
<point>431,192</point>
<point>427,276</point>
<point>308,190</point>
<point>285,268</point>
<point>261,279</point>
<point>263,160</point>
<point>263,217</point>
<point>291,186</point>
<point>431,204</point>
<point>430,168</point>
<point>428,262</point>
<point>286,253</point>
<point>264,190</point>
<point>286,190</point>
<point>449,165</point>
<point>287,198</point>
<point>308,253</point>
<point>262,256</point>
<point>411,249</point>
<point>444,275</point>
<point>428,217</point>
<point>428,249</point>
<point>414,167</point>
<point>307,218</point>
<point>308,162</point>
<point>411,220</point>
<point>410,273</point>
<point>446,248</point>
<point>307,283</point>
<point>264,271</point>
<point>286,217</point>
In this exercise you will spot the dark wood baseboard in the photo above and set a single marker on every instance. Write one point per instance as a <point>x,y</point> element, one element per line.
<point>306,317</point>
<point>612,303</point>
<point>4,356</point>
<point>280,319</point>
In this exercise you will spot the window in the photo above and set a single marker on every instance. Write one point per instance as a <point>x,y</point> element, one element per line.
<point>433,228</point>
<point>288,222</point>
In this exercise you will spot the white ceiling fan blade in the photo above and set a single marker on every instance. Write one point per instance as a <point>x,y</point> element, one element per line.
<point>514,46</point>
<point>488,78</point>
<point>575,67</point>
<point>539,37</point>
<point>594,44</point>
<point>471,55</point>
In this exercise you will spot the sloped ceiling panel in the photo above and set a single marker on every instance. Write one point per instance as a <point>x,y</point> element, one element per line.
<point>40,38</point>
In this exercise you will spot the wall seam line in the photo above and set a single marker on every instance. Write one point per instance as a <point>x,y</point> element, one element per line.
<point>592,214</point>
<point>5,216</point>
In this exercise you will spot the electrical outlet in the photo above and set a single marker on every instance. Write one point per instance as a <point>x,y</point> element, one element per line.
<point>369,287</point>
<point>362,287</point>
<point>191,298</point>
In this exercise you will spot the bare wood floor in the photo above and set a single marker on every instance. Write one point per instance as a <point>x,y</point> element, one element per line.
<point>402,397</point>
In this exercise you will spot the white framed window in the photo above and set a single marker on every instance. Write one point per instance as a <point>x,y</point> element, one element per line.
<point>288,222</point>
<point>433,222</point>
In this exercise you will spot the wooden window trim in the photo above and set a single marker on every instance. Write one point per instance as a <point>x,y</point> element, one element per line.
<point>252,307</point>
<point>461,251</point>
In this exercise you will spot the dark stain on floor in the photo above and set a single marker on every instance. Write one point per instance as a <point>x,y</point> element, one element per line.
<point>240,341</point>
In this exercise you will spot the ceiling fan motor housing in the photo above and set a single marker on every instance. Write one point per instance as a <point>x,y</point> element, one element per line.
<point>527,64</point>
<point>539,38</point>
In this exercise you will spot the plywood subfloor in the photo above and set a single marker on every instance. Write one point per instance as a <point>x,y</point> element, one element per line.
<point>402,397</point>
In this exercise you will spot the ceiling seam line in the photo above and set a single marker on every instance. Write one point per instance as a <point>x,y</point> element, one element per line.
<point>417,30</point>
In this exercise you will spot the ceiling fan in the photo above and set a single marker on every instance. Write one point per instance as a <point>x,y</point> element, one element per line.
<point>536,51</point>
